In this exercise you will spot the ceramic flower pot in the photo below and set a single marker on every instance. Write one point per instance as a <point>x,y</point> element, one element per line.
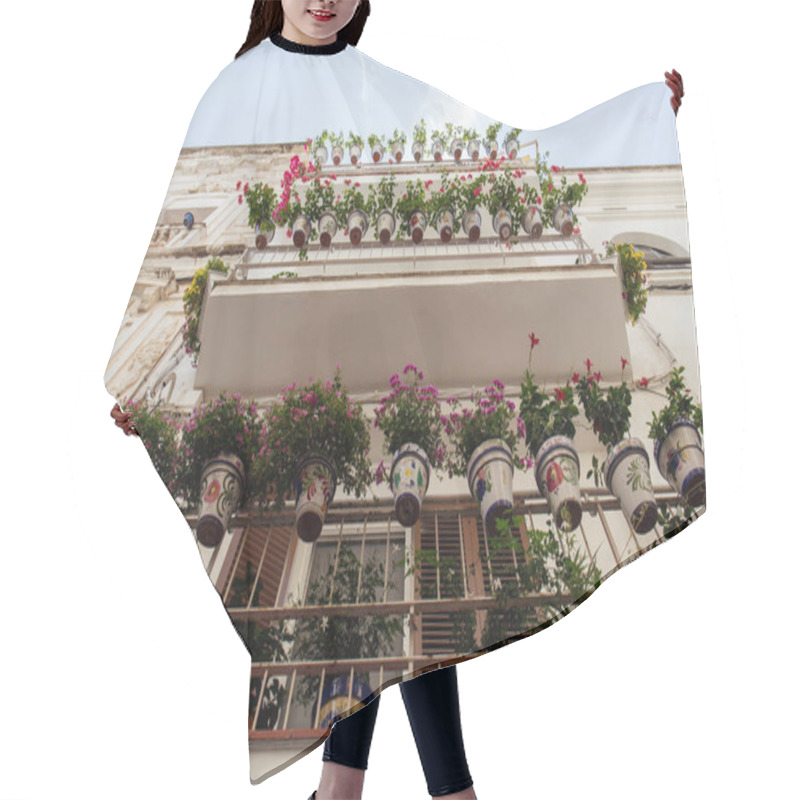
<point>410,475</point>
<point>681,461</point>
<point>221,488</point>
<point>471,223</point>
<point>532,223</point>
<point>315,486</point>
<point>558,479</point>
<point>474,149</point>
<point>327,227</point>
<point>418,151</point>
<point>501,222</point>
<point>457,148</point>
<point>416,226</point>
<point>355,153</point>
<point>397,151</point>
<point>491,149</point>
<point>333,702</point>
<point>444,222</point>
<point>357,225</point>
<point>563,219</point>
<point>264,235</point>
<point>512,147</point>
<point>437,148</point>
<point>627,477</point>
<point>301,230</point>
<point>386,226</point>
<point>188,220</point>
<point>321,154</point>
<point>490,472</point>
<point>377,152</point>
<point>338,154</point>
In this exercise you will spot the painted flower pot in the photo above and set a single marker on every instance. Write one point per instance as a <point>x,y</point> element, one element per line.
<point>338,154</point>
<point>357,225</point>
<point>315,486</point>
<point>386,226</point>
<point>563,219</point>
<point>471,223</point>
<point>397,151</point>
<point>627,477</point>
<point>501,222</point>
<point>333,703</point>
<point>474,149</point>
<point>444,222</point>
<point>409,476</point>
<point>681,461</point>
<point>221,488</point>
<point>512,147</point>
<point>437,148</point>
<point>418,151</point>
<point>457,148</point>
<point>377,152</point>
<point>532,223</point>
<point>417,223</point>
<point>327,227</point>
<point>558,478</point>
<point>491,149</point>
<point>355,153</point>
<point>264,235</point>
<point>321,154</point>
<point>188,220</point>
<point>301,230</point>
<point>490,472</point>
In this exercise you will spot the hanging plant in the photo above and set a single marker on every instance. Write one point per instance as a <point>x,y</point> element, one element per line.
<point>412,204</point>
<point>193,305</point>
<point>633,278</point>
<point>420,140</point>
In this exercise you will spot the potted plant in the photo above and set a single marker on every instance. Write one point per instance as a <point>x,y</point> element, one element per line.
<point>193,305</point>
<point>469,197</point>
<point>410,417</point>
<point>473,143</point>
<point>377,145</point>
<point>261,199</point>
<point>320,207</point>
<point>490,140</point>
<point>354,144</point>
<point>398,144</point>
<point>549,430</point>
<point>484,440</point>
<point>316,439</point>
<point>532,222</point>
<point>420,139</point>
<point>411,210</point>
<point>504,205</point>
<point>511,142</point>
<point>560,200</point>
<point>381,203</point>
<point>219,444</point>
<point>633,266</point>
<point>289,211</point>
<point>437,145</point>
<point>320,150</point>
<point>455,140</point>
<point>158,431</point>
<point>337,147</point>
<point>441,207</point>
<point>675,431</point>
<point>353,212</point>
<point>626,469</point>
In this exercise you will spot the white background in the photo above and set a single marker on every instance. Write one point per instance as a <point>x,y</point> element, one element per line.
<point>121,674</point>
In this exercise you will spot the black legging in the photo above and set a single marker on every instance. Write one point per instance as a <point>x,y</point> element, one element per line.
<point>432,706</point>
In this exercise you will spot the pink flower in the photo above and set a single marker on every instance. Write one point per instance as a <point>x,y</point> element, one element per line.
<point>643,382</point>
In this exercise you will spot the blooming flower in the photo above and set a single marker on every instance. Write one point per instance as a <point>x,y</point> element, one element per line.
<point>643,382</point>
<point>534,340</point>
<point>588,363</point>
<point>624,361</point>
<point>561,395</point>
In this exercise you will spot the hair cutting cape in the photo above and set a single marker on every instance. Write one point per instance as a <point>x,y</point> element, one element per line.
<point>418,381</point>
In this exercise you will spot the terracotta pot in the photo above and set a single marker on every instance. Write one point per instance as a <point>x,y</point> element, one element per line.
<point>264,235</point>
<point>471,223</point>
<point>512,147</point>
<point>410,475</point>
<point>418,150</point>
<point>444,222</point>
<point>532,223</point>
<point>315,486</point>
<point>357,225</point>
<point>681,461</point>
<point>627,477</point>
<point>416,226</point>
<point>321,154</point>
<point>355,153</point>
<point>491,149</point>
<point>327,227</point>
<point>386,226</point>
<point>333,703</point>
<point>490,472</point>
<point>301,230</point>
<point>221,488</point>
<point>563,219</point>
<point>457,148</point>
<point>338,154</point>
<point>501,222</point>
<point>377,152</point>
<point>474,149</point>
<point>558,478</point>
<point>437,148</point>
<point>397,151</point>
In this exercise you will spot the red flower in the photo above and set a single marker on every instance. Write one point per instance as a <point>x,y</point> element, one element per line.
<point>643,382</point>
<point>561,395</point>
<point>534,340</point>
<point>240,199</point>
<point>597,376</point>
<point>576,230</point>
<point>246,187</point>
<point>624,361</point>
<point>238,186</point>
<point>575,377</point>
<point>624,296</point>
<point>539,200</point>
<point>588,364</point>
<point>555,169</point>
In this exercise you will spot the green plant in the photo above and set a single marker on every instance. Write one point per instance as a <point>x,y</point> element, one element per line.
<point>553,195</point>
<point>354,140</point>
<point>633,277</point>
<point>411,413</point>
<point>336,139</point>
<point>158,431</point>
<point>491,134</point>
<point>448,197</point>
<point>352,199</point>
<point>511,134</point>
<point>226,424</point>
<point>493,417</point>
<point>504,193</point>
<point>398,137</point>
<point>193,304</point>
<point>415,198</point>
<point>421,132</point>
<point>381,198</point>
<point>318,417</point>
<point>375,139</point>
<point>680,403</point>
<point>261,200</point>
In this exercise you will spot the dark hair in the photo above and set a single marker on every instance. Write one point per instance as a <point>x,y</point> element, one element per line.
<point>266,18</point>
